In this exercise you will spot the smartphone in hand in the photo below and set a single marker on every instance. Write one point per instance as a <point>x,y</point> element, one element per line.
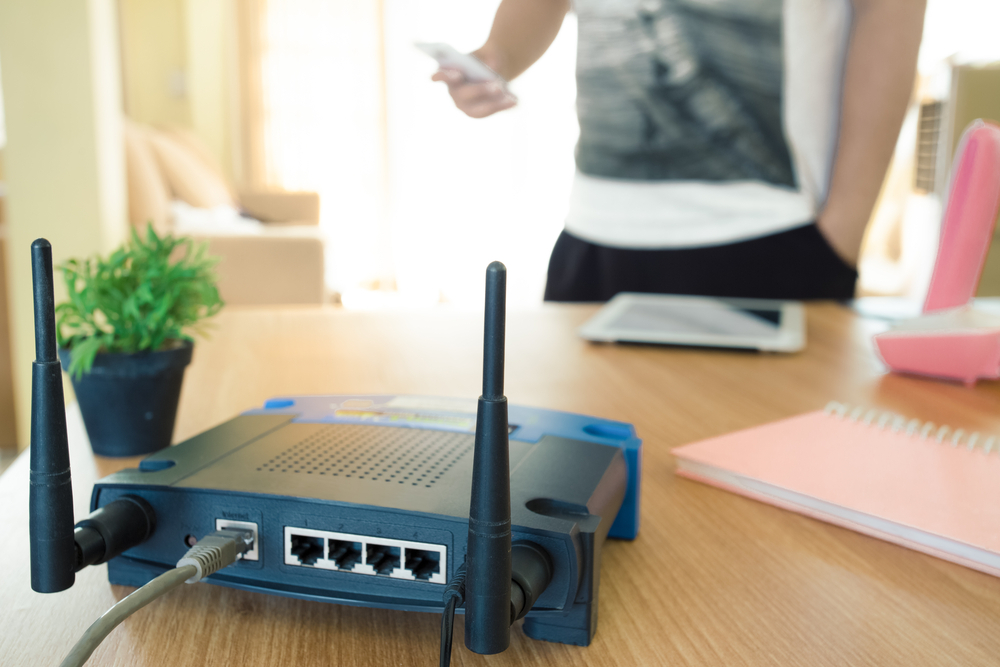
<point>447,57</point>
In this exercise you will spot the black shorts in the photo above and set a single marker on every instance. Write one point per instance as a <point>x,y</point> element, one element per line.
<point>797,264</point>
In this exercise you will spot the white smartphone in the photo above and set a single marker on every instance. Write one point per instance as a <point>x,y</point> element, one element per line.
<point>448,58</point>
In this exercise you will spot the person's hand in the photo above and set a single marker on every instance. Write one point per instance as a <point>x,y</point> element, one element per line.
<point>477,100</point>
<point>841,233</point>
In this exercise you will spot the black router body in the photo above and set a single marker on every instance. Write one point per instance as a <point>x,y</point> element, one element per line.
<point>366,500</point>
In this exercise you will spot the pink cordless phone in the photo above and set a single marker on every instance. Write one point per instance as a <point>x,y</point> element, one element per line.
<point>951,339</point>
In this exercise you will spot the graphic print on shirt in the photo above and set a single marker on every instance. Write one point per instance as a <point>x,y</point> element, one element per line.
<point>681,90</point>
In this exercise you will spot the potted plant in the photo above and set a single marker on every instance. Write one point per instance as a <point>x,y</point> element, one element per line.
<point>125,337</point>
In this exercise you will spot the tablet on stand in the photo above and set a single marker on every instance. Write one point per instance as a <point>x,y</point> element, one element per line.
<point>757,324</point>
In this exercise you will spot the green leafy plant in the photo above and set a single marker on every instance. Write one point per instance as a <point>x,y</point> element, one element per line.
<point>148,295</point>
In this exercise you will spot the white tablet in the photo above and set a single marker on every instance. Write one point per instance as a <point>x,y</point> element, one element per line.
<point>757,324</point>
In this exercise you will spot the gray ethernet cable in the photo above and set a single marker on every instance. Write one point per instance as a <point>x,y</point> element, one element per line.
<point>209,555</point>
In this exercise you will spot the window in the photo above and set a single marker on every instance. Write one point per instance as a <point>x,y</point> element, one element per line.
<point>414,195</point>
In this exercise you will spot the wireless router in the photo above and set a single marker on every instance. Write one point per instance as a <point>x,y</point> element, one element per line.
<point>398,502</point>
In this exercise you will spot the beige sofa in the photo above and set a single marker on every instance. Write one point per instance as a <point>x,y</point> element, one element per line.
<point>281,263</point>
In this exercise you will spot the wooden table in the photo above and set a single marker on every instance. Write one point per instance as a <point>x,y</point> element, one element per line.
<point>713,578</point>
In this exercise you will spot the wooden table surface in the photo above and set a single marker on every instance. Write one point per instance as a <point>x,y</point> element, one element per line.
<point>712,579</point>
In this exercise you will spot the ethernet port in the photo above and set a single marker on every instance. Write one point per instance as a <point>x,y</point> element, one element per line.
<point>307,549</point>
<point>423,563</point>
<point>345,554</point>
<point>384,559</point>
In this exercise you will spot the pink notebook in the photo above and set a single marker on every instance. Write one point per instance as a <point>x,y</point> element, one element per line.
<point>923,486</point>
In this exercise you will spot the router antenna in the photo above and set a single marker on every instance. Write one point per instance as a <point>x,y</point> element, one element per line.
<point>50,500</point>
<point>488,610</point>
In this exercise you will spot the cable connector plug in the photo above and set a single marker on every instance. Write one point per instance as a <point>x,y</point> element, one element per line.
<point>456,588</point>
<point>454,596</point>
<point>216,551</point>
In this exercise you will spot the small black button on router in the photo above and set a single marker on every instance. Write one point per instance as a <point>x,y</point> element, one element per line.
<point>155,465</point>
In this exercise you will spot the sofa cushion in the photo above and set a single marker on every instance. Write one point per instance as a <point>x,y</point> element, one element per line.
<point>191,180</point>
<point>190,140</point>
<point>148,195</point>
<point>298,208</point>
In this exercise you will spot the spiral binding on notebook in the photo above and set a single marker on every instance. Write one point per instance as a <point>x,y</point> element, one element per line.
<point>925,430</point>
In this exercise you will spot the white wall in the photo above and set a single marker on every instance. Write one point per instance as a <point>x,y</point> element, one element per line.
<point>64,158</point>
<point>211,59</point>
<point>3,123</point>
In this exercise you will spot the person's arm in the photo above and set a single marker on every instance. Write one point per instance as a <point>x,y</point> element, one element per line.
<point>878,83</point>
<point>521,33</point>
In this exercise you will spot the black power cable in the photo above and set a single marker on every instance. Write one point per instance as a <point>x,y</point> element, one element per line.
<point>454,595</point>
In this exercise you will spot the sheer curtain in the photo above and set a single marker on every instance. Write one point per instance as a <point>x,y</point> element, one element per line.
<point>313,78</point>
<point>465,191</point>
<point>416,198</point>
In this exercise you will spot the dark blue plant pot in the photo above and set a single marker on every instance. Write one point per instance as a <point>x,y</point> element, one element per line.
<point>129,401</point>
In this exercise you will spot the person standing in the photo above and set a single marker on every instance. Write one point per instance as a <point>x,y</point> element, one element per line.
<point>727,147</point>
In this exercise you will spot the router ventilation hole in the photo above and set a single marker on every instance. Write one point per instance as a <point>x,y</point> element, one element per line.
<point>378,453</point>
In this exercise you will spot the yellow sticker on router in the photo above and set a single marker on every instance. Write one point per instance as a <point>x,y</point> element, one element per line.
<point>357,403</point>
